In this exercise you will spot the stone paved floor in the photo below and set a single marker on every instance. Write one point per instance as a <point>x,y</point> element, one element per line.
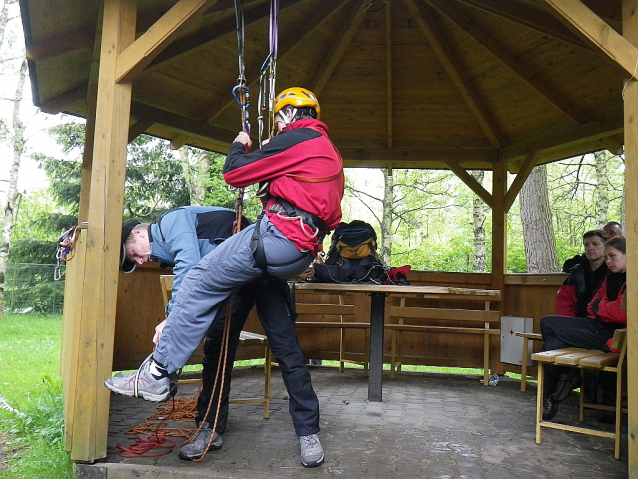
<point>428,426</point>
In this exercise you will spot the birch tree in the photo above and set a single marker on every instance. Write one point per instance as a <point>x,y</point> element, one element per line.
<point>478,222</point>
<point>11,203</point>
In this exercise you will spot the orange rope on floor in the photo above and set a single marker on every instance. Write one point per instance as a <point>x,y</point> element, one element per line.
<point>182,409</point>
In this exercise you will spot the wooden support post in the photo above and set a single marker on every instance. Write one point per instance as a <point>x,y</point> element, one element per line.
<point>630,32</point>
<point>499,242</point>
<point>94,282</point>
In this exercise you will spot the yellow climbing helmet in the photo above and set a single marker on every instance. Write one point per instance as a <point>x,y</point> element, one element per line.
<point>298,97</point>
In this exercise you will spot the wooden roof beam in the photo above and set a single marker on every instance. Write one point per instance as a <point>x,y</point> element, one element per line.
<point>181,123</point>
<point>286,45</point>
<point>63,100</point>
<point>566,139</point>
<point>212,33</point>
<point>529,17</point>
<point>496,48</point>
<point>435,37</point>
<point>471,183</point>
<point>597,33</point>
<point>145,48</point>
<point>526,168</point>
<point>53,47</point>
<point>350,27</point>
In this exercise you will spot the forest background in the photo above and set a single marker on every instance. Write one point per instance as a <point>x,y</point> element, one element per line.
<point>428,219</point>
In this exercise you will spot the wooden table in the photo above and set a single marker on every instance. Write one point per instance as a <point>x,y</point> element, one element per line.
<point>378,293</point>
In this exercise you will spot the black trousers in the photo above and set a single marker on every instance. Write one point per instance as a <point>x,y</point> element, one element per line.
<point>272,298</point>
<point>563,332</point>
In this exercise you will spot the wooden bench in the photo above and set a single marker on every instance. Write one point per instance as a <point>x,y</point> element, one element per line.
<point>471,321</point>
<point>592,360</point>
<point>527,337</point>
<point>246,339</point>
<point>343,311</point>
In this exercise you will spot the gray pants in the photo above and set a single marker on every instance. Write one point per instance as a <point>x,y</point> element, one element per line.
<point>207,287</point>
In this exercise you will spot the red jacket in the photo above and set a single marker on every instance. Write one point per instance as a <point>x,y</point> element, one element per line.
<point>606,310</point>
<point>303,167</point>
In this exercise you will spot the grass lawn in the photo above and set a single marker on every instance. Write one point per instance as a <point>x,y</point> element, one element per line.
<point>31,415</point>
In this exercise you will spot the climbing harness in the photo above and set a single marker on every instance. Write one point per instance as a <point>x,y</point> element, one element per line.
<point>65,250</point>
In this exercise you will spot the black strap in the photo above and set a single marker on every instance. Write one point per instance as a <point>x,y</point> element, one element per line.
<point>258,245</point>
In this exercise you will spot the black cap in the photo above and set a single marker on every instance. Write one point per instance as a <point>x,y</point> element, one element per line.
<point>127,266</point>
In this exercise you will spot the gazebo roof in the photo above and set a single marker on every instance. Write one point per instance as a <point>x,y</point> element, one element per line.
<point>402,83</point>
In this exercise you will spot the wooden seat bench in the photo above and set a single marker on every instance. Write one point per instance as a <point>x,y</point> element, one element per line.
<point>592,360</point>
<point>472,321</point>
<point>527,337</point>
<point>342,310</point>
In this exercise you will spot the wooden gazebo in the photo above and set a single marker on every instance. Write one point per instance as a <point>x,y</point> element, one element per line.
<point>500,85</point>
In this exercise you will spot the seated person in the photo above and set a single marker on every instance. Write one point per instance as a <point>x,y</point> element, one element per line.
<point>584,278</point>
<point>604,316</point>
<point>613,229</point>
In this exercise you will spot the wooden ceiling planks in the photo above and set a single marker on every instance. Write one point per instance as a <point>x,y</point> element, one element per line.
<point>505,75</point>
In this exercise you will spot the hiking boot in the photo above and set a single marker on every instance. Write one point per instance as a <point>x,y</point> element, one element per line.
<point>550,408</point>
<point>311,450</point>
<point>566,384</point>
<point>195,449</point>
<point>151,382</point>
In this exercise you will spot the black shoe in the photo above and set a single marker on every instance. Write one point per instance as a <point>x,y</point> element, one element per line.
<point>566,384</point>
<point>550,408</point>
<point>195,449</point>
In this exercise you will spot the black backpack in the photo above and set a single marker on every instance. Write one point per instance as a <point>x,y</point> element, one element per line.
<point>352,256</point>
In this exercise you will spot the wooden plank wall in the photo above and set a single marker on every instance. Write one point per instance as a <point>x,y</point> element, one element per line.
<point>140,308</point>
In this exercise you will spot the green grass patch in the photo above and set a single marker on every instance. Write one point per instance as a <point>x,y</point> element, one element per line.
<point>31,410</point>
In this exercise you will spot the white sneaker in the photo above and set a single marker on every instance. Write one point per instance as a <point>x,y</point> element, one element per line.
<point>150,382</point>
<point>311,451</point>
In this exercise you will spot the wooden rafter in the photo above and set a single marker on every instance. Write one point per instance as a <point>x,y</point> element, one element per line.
<point>496,48</point>
<point>436,39</point>
<point>214,31</point>
<point>597,33</point>
<point>180,123</point>
<point>580,134</point>
<point>471,182</point>
<point>69,43</point>
<point>137,128</point>
<point>63,100</point>
<point>517,184</point>
<point>350,27</point>
<point>528,16</point>
<point>286,45</point>
<point>139,54</point>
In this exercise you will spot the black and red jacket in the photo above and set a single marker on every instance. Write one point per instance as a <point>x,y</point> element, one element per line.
<point>303,167</point>
<point>579,288</point>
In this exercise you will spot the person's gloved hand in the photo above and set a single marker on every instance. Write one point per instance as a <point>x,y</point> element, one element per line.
<point>158,332</point>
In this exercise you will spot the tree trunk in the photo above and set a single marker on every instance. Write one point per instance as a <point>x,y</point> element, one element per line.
<point>601,197</point>
<point>195,170</point>
<point>12,194</point>
<point>478,220</point>
<point>538,231</point>
<point>387,217</point>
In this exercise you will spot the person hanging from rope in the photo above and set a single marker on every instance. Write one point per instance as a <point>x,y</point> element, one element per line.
<point>180,239</point>
<point>304,174</point>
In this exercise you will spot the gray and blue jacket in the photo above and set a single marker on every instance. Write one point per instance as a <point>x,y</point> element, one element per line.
<point>185,235</point>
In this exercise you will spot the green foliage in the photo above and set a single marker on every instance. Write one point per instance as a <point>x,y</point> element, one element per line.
<point>31,409</point>
<point>219,193</point>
